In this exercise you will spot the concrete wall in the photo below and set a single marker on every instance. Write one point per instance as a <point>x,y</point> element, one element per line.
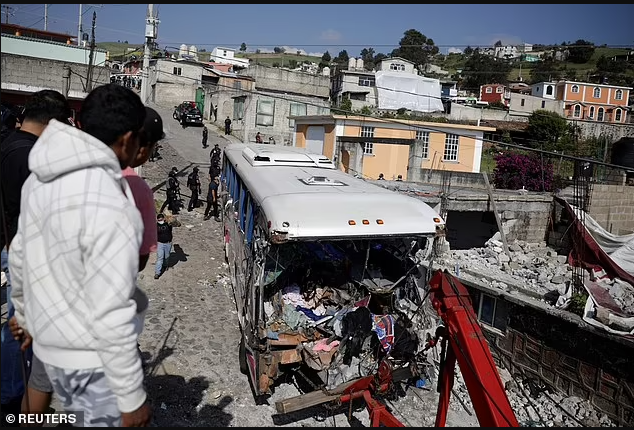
<point>572,360</point>
<point>597,129</point>
<point>289,82</point>
<point>612,206</point>
<point>532,103</point>
<point>458,179</point>
<point>50,50</point>
<point>28,75</point>
<point>467,113</point>
<point>172,89</point>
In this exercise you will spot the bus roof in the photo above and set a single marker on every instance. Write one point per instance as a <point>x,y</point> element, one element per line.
<point>305,196</point>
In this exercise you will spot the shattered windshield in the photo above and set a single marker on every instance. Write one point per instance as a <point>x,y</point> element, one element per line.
<point>349,303</point>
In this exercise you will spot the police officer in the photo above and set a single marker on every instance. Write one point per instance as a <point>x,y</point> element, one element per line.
<point>214,155</point>
<point>173,191</point>
<point>205,135</point>
<point>193,183</point>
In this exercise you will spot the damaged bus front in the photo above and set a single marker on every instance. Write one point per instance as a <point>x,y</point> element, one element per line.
<point>325,277</point>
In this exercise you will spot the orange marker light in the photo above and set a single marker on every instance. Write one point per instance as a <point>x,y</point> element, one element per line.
<point>366,222</point>
<point>379,221</point>
<point>437,220</point>
<point>352,222</point>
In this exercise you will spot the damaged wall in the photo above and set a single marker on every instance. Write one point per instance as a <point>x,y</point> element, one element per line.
<point>569,358</point>
<point>612,206</point>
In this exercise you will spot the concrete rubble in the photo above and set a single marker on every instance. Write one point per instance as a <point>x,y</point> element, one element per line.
<point>533,269</point>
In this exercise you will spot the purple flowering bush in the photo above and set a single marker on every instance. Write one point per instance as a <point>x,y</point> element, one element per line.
<point>514,171</point>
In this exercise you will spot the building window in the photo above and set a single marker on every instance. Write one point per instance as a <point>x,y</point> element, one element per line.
<point>489,90</point>
<point>264,112</point>
<point>522,102</point>
<point>224,53</point>
<point>617,115</point>
<point>238,108</point>
<point>596,93</point>
<point>618,95</point>
<point>549,90</point>
<point>575,89</point>
<point>600,114</point>
<point>591,112</point>
<point>576,111</point>
<point>451,147</point>
<point>367,81</point>
<point>491,311</point>
<point>423,138</point>
<point>368,147</point>
<point>399,67</point>
<point>297,109</point>
<point>543,104</point>
<point>177,71</point>
<point>499,90</point>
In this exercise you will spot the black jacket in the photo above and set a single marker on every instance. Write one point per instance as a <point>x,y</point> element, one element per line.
<point>164,232</point>
<point>14,169</point>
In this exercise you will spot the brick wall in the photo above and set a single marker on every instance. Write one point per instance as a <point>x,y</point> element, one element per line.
<point>571,359</point>
<point>612,206</point>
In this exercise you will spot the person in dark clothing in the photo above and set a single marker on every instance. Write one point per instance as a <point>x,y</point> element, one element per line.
<point>213,172</point>
<point>193,183</point>
<point>212,199</point>
<point>173,191</point>
<point>215,154</point>
<point>205,135</point>
<point>258,138</point>
<point>164,244</point>
<point>16,145</point>
<point>227,125</point>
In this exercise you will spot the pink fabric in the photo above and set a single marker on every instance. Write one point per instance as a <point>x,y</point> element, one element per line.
<point>144,198</point>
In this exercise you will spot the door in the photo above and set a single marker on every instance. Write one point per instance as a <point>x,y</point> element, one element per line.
<point>315,139</point>
<point>345,160</point>
<point>200,100</point>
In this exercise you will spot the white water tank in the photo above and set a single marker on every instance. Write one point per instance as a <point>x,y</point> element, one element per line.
<point>325,71</point>
<point>359,63</point>
<point>183,51</point>
<point>352,63</point>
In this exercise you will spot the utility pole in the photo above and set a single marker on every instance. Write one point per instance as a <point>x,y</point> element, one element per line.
<point>91,55</point>
<point>79,28</point>
<point>45,17</point>
<point>150,36</point>
<point>7,9</point>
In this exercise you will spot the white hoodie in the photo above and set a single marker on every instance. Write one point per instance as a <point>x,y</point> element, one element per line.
<point>75,258</point>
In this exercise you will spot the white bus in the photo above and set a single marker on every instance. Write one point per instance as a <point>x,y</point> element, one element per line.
<point>310,248</point>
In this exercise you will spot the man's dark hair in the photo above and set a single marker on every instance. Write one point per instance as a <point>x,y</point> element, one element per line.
<point>110,111</point>
<point>46,105</point>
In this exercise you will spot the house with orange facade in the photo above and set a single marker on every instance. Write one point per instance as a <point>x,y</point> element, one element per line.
<point>371,146</point>
<point>594,102</point>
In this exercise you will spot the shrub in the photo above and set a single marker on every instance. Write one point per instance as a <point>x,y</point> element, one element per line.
<point>514,171</point>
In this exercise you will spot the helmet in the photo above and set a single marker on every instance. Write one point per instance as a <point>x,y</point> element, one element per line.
<point>195,169</point>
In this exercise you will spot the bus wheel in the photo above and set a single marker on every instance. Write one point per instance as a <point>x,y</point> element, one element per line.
<point>242,357</point>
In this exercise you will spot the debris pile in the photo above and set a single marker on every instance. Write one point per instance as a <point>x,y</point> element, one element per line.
<point>531,268</point>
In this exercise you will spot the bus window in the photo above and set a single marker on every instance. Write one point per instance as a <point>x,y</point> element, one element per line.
<point>242,207</point>
<point>250,218</point>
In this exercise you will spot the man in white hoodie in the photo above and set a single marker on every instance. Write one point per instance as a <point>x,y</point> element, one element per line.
<point>75,258</point>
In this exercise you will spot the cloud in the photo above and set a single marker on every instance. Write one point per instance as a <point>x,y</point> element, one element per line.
<point>330,35</point>
<point>454,51</point>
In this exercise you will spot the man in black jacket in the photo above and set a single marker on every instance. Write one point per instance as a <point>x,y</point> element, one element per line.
<point>15,148</point>
<point>193,183</point>
<point>164,244</point>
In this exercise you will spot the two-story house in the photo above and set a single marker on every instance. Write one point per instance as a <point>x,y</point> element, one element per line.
<point>394,85</point>
<point>493,93</point>
<point>228,56</point>
<point>594,102</point>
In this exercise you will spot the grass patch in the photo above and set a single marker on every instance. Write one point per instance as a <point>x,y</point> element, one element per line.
<point>487,162</point>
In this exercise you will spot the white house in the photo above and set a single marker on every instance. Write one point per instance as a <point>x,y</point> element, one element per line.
<point>227,56</point>
<point>545,90</point>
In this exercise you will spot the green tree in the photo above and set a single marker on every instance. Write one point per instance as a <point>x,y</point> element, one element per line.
<point>243,47</point>
<point>468,51</point>
<point>292,64</point>
<point>498,43</point>
<point>326,58</point>
<point>367,55</point>
<point>580,52</point>
<point>342,59</point>
<point>415,47</point>
<point>279,50</point>
<point>607,65</point>
<point>345,105</point>
<point>379,57</point>
<point>482,69</point>
<point>545,71</point>
<point>257,51</point>
<point>548,130</point>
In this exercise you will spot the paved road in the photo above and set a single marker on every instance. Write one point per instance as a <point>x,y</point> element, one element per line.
<point>188,141</point>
